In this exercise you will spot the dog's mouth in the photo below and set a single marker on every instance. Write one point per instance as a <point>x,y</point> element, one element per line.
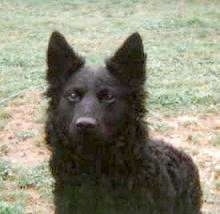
<point>93,136</point>
<point>86,136</point>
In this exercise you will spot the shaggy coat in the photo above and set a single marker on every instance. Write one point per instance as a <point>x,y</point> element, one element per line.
<point>102,159</point>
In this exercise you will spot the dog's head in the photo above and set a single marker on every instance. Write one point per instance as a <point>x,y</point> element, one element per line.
<point>95,102</point>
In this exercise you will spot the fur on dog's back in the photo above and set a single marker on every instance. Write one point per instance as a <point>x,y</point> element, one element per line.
<point>102,158</point>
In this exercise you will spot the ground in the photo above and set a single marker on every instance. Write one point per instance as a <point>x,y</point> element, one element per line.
<point>182,39</point>
<point>196,134</point>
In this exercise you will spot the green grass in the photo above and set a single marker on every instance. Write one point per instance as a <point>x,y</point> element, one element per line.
<point>216,141</point>
<point>4,117</point>
<point>6,208</point>
<point>24,135</point>
<point>183,52</point>
<point>11,201</point>
<point>16,180</point>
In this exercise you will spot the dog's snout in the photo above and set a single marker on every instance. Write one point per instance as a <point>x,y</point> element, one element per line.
<point>84,123</point>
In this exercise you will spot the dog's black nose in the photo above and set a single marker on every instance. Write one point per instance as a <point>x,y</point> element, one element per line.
<point>85,123</point>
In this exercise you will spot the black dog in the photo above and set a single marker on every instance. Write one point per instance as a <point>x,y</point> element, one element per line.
<point>102,159</point>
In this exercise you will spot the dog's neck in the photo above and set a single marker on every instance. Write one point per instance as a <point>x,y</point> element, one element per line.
<point>119,154</point>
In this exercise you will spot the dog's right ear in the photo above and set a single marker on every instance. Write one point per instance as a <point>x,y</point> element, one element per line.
<point>62,61</point>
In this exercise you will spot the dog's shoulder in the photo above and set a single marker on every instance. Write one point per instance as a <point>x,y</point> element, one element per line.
<point>167,152</point>
<point>170,156</point>
<point>179,165</point>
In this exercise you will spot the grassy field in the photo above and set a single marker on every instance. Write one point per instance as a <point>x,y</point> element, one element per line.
<point>182,41</point>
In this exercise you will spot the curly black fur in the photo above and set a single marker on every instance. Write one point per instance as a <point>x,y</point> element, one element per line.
<point>125,172</point>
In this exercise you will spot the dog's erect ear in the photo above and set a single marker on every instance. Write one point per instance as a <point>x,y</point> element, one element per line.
<point>128,62</point>
<point>61,59</point>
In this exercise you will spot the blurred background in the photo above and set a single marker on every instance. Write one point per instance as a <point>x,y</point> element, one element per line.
<point>182,40</point>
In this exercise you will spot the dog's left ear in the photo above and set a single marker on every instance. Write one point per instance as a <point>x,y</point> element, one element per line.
<point>129,61</point>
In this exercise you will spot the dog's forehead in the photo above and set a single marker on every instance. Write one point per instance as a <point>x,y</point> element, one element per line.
<point>92,76</point>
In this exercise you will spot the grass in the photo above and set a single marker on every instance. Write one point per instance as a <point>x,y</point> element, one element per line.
<point>10,202</point>
<point>216,141</point>
<point>183,52</point>
<point>4,117</point>
<point>15,181</point>
<point>183,63</point>
<point>24,135</point>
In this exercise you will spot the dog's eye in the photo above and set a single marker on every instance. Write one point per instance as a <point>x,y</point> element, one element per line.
<point>106,96</point>
<point>73,96</point>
